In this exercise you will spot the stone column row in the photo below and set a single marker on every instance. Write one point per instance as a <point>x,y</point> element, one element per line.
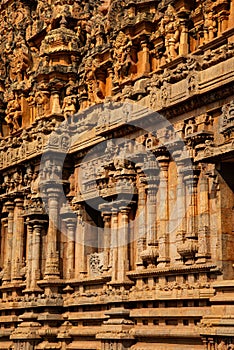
<point>35,229</point>
<point>14,243</point>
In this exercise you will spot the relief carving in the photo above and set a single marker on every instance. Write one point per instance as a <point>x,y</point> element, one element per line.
<point>13,113</point>
<point>123,61</point>
<point>170,30</point>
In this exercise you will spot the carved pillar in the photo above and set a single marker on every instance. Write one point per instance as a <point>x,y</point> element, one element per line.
<point>109,80</point>
<point>163,216</point>
<point>70,253</point>
<point>29,254</point>
<point>231,15</point>
<point>204,221</point>
<point>151,253</point>
<point>18,240</point>
<point>114,243</point>
<point>80,263</point>
<point>184,44</point>
<point>145,61</point>
<point>52,259</point>
<point>8,261</point>
<point>106,239</point>
<point>32,107</point>
<point>151,206</point>
<point>222,21</point>
<point>191,190</point>
<point>56,109</point>
<point>181,204</point>
<point>123,231</point>
<point>188,247</point>
<point>36,242</point>
<point>141,229</point>
<point>4,227</point>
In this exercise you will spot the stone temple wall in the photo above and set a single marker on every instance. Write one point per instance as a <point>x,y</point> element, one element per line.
<point>116,174</point>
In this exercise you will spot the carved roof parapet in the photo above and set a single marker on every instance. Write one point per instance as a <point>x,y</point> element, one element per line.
<point>210,58</point>
<point>29,143</point>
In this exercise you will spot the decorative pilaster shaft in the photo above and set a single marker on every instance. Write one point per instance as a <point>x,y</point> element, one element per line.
<point>29,255</point>
<point>36,242</point>
<point>204,221</point>
<point>8,261</point>
<point>145,57</point>
<point>4,227</point>
<point>55,103</point>
<point>106,239</point>
<point>181,213</point>
<point>151,238</point>
<point>163,213</point>
<point>52,259</point>
<point>141,237</point>
<point>191,197</point>
<point>71,230</point>
<point>150,254</point>
<point>18,240</point>
<point>123,232</point>
<point>80,264</point>
<point>114,243</point>
<point>184,42</point>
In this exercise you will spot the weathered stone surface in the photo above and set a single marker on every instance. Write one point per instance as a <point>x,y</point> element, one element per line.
<point>116,168</point>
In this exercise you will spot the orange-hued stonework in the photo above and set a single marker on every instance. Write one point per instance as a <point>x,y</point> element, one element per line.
<point>116,174</point>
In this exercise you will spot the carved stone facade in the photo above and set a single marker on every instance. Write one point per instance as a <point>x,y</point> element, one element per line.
<point>116,169</point>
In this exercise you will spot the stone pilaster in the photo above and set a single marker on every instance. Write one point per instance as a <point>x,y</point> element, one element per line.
<point>106,239</point>
<point>231,15</point>
<point>29,255</point>
<point>18,240</point>
<point>163,214</point>
<point>150,254</point>
<point>181,211</point>
<point>80,260</point>
<point>204,221</point>
<point>191,197</point>
<point>145,65</point>
<point>52,259</point>
<point>184,40</point>
<point>141,229</point>
<point>189,245</point>
<point>36,263</point>
<point>70,251</point>
<point>114,244</point>
<point>8,260</point>
<point>55,109</point>
<point>4,228</point>
<point>123,238</point>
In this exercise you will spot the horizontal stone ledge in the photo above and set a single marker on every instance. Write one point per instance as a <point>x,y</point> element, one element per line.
<point>188,312</point>
<point>166,331</point>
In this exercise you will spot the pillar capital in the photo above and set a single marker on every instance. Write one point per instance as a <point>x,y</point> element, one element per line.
<point>70,221</point>
<point>106,216</point>
<point>9,206</point>
<point>19,202</point>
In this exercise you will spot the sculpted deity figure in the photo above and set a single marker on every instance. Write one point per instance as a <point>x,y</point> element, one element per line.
<point>169,28</point>
<point>13,114</point>
<point>122,57</point>
<point>69,104</point>
<point>20,61</point>
<point>210,27</point>
<point>90,78</point>
<point>42,103</point>
<point>35,185</point>
<point>97,29</point>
